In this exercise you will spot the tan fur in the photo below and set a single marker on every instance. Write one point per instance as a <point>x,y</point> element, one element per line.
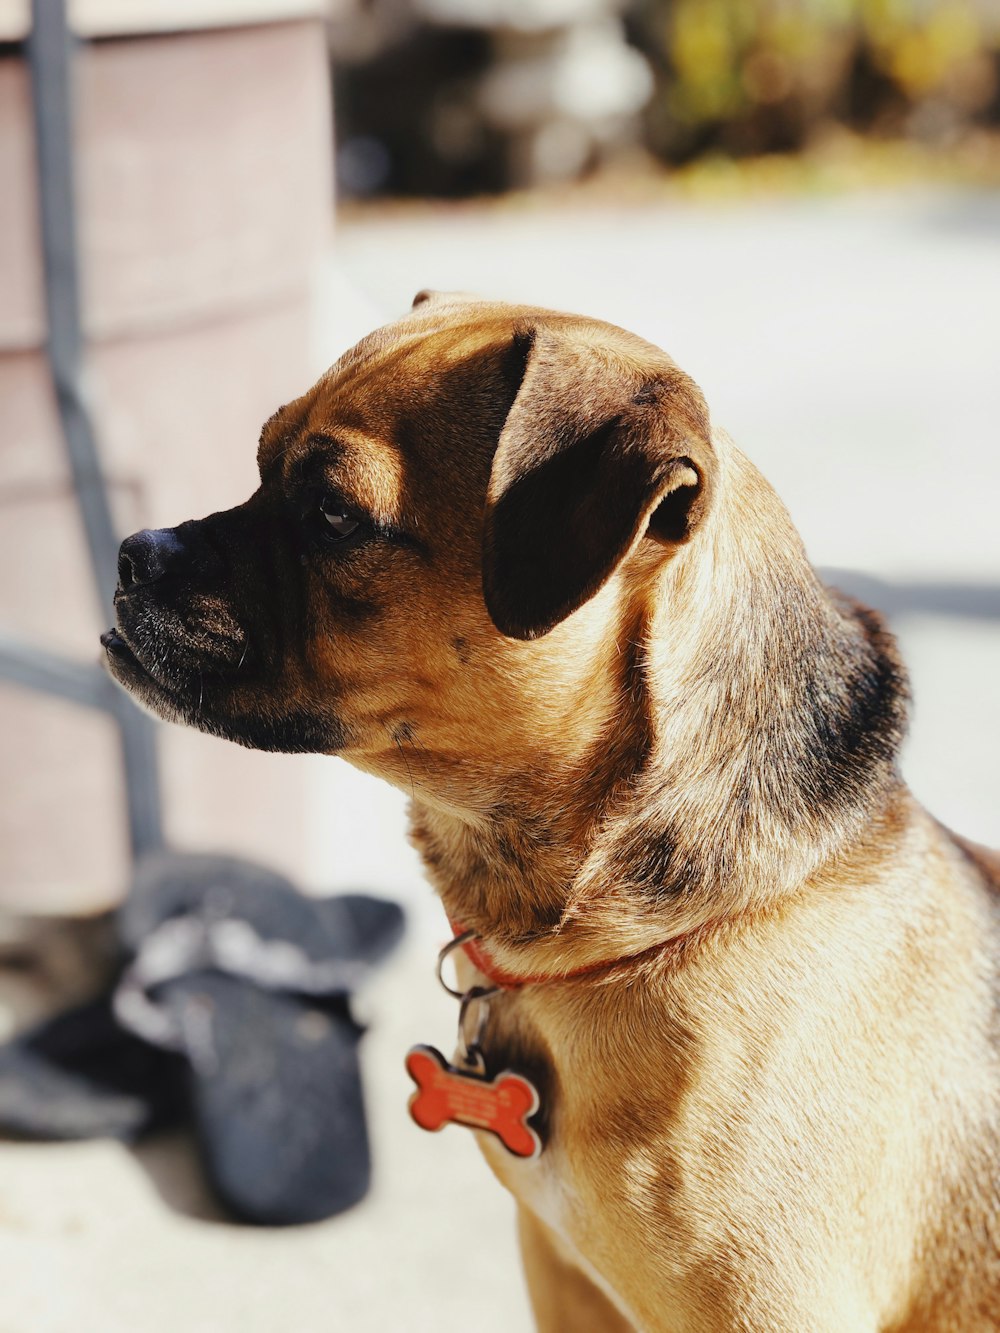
<point>786,1118</point>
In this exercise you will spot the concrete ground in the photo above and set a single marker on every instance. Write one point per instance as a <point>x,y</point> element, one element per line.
<point>851,347</point>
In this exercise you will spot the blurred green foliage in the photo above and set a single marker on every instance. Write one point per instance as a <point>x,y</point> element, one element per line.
<point>750,76</point>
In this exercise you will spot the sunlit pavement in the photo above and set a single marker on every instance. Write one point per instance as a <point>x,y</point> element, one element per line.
<point>850,347</point>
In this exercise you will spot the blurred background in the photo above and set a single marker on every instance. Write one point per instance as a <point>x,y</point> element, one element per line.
<point>798,199</point>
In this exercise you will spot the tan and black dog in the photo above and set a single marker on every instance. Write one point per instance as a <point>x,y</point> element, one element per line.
<point>499,558</point>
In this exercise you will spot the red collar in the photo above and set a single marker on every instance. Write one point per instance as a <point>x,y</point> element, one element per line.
<point>478,955</point>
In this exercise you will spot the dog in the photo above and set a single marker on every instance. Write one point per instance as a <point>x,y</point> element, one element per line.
<point>499,557</point>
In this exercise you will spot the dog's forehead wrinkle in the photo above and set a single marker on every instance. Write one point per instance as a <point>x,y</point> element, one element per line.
<point>352,460</point>
<point>318,450</point>
<point>279,435</point>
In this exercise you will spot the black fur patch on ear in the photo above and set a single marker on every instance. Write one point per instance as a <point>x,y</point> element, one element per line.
<point>587,451</point>
<point>543,580</point>
<point>422,297</point>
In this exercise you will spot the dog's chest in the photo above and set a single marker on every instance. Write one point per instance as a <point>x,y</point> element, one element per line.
<point>549,1190</point>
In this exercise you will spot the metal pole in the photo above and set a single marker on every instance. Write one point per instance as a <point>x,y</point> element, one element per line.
<point>50,58</point>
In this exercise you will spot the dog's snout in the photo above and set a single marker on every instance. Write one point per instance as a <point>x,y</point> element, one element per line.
<point>147,555</point>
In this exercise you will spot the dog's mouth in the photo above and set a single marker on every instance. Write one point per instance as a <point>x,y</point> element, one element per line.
<point>128,669</point>
<point>175,645</point>
<point>124,661</point>
<point>117,649</point>
<point>177,661</point>
<point>115,644</point>
<point>202,693</point>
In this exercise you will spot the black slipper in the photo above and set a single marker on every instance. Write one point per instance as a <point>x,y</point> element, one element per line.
<point>82,1076</point>
<point>276,1097</point>
<point>249,981</point>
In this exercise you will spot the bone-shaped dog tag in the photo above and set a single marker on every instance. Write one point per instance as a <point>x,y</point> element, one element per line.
<point>446,1095</point>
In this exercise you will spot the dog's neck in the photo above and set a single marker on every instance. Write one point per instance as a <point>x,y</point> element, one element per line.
<point>749,741</point>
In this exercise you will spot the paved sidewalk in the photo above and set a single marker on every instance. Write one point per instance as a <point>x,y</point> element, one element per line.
<point>850,347</point>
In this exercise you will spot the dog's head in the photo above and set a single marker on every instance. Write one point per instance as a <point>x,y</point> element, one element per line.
<point>458,498</point>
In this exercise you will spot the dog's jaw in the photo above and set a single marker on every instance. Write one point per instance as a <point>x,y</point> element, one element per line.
<point>125,667</point>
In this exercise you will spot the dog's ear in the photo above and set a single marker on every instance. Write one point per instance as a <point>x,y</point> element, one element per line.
<point>595,455</point>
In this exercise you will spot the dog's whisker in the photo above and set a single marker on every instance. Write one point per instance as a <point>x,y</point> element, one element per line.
<point>419,748</point>
<point>406,762</point>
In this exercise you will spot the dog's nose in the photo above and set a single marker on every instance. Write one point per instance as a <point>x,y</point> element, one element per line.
<point>146,556</point>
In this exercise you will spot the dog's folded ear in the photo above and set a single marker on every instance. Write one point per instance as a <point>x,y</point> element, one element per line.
<point>598,451</point>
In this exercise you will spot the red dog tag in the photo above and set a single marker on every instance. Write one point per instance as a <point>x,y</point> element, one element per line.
<point>500,1105</point>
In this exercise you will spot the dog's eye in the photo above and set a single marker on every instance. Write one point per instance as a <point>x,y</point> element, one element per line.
<point>338,524</point>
